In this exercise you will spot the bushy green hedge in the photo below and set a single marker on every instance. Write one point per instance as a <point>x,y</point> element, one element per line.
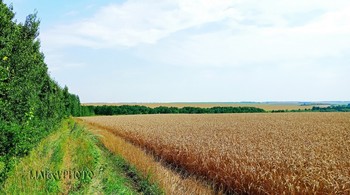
<point>31,103</point>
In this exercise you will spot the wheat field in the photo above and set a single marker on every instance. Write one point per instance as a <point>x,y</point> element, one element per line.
<point>277,153</point>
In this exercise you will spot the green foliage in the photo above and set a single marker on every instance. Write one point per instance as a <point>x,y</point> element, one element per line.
<point>31,103</point>
<point>71,103</point>
<point>135,109</point>
<point>332,108</point>
<point>73,148</point>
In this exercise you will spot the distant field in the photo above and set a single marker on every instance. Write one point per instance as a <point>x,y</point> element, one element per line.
<point>302,153</point>
<point>264,106</point>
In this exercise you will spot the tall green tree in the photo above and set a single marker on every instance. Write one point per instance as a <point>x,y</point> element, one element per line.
<point>31,103</point>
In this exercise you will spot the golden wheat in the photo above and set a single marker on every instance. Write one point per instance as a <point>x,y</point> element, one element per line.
<point>248,153</point>
<point>170,181</point>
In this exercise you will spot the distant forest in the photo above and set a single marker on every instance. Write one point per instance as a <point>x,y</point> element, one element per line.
<point>137,109</point>
<point>337,108</point>
<point>332,108</point>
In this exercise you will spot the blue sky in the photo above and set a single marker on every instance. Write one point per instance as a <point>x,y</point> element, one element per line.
<point>199,50</point>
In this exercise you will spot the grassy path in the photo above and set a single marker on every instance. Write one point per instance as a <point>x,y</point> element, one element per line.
<point>73,161</point>
<point>172,182</point>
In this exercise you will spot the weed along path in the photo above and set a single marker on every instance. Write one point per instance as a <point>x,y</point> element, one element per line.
<point>73,161</point>
<point>156,172</point>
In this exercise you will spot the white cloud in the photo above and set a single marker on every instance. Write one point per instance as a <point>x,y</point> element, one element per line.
<point>254,31</point>
<point>239,44</point>
<point>136,22</point>
<point>332,23</point>
<point>58,63</point>
<point>265,50</point>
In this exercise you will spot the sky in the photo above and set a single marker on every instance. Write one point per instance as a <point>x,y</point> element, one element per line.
<point>196,51</point>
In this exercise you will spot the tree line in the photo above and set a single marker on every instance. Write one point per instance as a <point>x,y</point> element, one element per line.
<point>331,108</point>
<point>31,103</point>
<point>137,109</point>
